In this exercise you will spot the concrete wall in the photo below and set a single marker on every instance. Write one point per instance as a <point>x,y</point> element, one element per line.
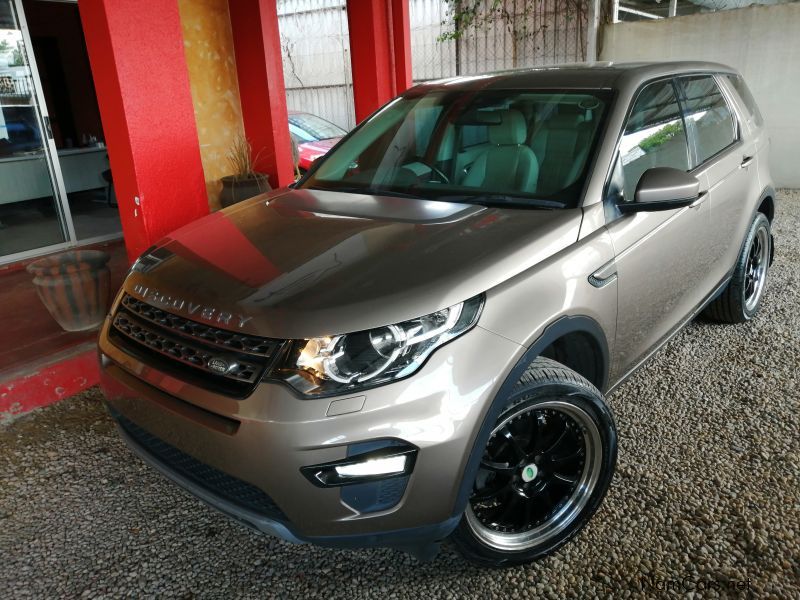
<point>762,42</point>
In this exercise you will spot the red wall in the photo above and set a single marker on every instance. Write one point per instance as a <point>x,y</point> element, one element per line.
<point>380,52</point>
<point>139,70</point>
<point>259,66</point>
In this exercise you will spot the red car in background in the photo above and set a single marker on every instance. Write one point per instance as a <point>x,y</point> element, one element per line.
<point>314,136</point>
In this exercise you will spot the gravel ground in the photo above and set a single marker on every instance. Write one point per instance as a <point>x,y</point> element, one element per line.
<point>707,493</point>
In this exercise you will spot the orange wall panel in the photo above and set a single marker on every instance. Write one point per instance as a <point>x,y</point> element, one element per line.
<point>208,45</point>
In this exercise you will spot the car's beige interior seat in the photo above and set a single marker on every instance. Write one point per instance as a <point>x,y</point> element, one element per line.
<point>561,143</point>
<point>506,163</point>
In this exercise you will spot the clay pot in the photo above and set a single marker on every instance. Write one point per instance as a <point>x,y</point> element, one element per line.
<point>74,286</point>
<point>236,189</point>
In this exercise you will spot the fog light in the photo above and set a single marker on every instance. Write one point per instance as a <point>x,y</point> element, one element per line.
<point>376,466</point>
<point>384,463</point>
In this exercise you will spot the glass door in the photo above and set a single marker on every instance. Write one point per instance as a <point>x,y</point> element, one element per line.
<point>33,215</point>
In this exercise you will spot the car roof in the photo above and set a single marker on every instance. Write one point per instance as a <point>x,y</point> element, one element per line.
<point>599,75</point>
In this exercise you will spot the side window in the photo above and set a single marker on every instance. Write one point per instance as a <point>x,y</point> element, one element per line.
<point>749,102</point>
<point>654,136</point>
<point>707,110</point>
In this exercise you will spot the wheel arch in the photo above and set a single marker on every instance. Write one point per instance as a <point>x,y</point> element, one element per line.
<point>766,203</point>
<point>766,206</point>
<point>567,333</point>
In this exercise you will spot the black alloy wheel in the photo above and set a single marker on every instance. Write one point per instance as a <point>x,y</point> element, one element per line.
<point>544,470</point>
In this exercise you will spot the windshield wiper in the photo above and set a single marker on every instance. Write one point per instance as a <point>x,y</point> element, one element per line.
<point>506,200</point>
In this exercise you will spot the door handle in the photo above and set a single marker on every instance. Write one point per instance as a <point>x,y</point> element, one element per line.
<point>746,160</point>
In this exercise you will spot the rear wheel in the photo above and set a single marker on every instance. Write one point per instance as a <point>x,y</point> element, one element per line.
<point>544,471</point>
<point>741,298</point>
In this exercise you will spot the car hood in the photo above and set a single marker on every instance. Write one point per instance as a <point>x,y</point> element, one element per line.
<point>303,263</point>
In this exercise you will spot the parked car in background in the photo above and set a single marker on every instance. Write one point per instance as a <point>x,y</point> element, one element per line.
<point>314,136</point>
<point>415,340</point>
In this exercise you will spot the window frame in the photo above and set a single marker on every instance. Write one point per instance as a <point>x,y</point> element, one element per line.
<point>691,130</point>
<point>609,203</point>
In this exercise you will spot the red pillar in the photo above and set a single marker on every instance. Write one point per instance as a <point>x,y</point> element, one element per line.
<point>142,84</point>
<point>401,41</point>
<point>259,67</point>
<point>380,52</point>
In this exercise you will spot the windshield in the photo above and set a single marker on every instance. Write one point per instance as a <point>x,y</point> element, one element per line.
<point>485,146</point>
<point>311,128</point>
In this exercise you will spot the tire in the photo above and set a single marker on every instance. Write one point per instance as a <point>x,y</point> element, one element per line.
<point>537,488</point>
<point>740,300</point>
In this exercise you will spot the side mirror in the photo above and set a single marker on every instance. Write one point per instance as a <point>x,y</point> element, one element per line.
<point>663,188</point>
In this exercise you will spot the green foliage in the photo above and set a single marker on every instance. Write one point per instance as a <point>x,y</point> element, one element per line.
<point>662,136</point>
<point>465,16</point>
<point>17,58</point>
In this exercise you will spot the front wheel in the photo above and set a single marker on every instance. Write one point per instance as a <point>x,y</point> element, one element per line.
<point>544,471</point>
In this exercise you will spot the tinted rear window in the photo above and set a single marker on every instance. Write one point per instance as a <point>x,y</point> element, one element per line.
<point>705,107</point>
<point>749,102</point>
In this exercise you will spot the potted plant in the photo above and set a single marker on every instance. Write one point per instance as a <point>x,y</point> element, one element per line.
<point>245,182</point>
<point>74,286</point>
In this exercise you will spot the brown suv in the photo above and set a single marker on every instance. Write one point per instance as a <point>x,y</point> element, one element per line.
<point>413,342</point>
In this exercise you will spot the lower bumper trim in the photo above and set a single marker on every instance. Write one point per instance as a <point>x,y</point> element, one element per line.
<point>238,513</point>
<point>421,542</point>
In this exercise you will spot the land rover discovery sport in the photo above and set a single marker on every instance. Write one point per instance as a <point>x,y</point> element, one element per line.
<point>413,342</point>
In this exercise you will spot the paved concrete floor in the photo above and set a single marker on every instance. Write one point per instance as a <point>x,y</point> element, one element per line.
<point>707,494</point>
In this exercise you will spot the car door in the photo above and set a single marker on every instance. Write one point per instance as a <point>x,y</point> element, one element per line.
<point>754,132</point>
<point>660,263</point>
<point>727,161</point>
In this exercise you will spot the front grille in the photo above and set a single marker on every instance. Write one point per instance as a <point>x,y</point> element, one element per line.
<point>189,349</point>
<point>218,338</point>
<point>220,484</point>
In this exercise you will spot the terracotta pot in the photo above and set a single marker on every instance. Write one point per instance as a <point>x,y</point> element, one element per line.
<point>236,189</point>
<point>74,287</point>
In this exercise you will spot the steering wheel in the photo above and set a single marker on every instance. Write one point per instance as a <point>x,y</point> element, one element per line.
<point>436,171</point>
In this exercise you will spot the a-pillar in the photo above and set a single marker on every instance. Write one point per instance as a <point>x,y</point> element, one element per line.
<point>259,67</point>
<point>142,85</point>
<point>380,52</point>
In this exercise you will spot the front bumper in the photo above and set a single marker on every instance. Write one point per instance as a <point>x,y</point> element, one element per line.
<point>265,439</point>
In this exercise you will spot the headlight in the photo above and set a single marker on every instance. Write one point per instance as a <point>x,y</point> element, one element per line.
<point>344,363</point>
